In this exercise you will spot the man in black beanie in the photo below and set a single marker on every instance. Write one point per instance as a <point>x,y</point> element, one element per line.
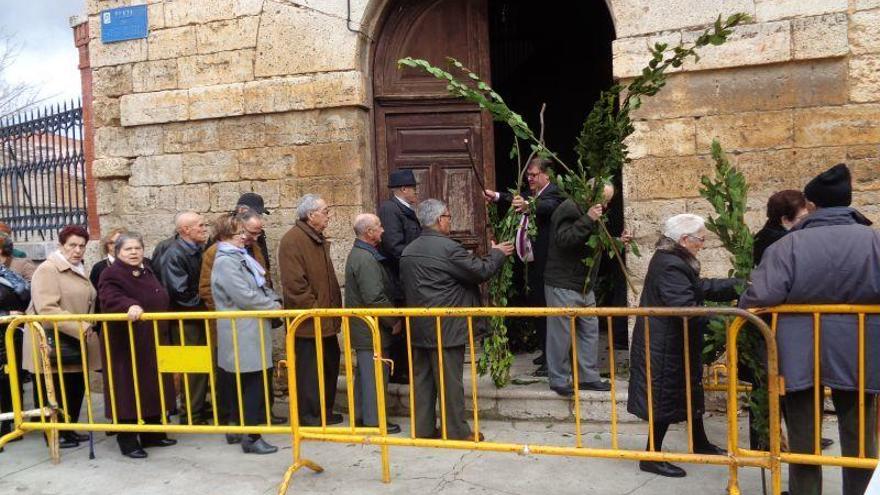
<point>831,257</point>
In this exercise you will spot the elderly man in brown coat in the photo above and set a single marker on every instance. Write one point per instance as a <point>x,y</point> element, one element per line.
<point>309,281</point>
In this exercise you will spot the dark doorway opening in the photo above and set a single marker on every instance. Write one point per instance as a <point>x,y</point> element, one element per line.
<point>556,53</point>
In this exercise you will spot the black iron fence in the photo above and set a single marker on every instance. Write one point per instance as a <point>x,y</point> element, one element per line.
<point>42,171</point>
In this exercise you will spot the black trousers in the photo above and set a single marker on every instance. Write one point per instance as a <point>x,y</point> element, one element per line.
<point>129,442</point>
<point>6,384</point>
<point>225,415</point>
<point>73,385</point>
<point>307,395</point>
<point>799,418</point>
<point>253,398</point>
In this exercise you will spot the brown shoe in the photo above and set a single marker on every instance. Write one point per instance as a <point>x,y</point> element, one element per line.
<point>470,438</point>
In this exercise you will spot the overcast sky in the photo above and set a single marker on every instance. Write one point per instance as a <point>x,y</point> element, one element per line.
<point>48,57</point>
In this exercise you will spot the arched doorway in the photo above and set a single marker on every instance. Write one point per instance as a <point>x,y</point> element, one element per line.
<point>556,52</point>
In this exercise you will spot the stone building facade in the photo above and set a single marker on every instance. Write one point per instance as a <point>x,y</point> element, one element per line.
<point>276,97</point>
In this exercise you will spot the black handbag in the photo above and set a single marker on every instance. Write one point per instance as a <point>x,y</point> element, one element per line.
<point>69,347</point>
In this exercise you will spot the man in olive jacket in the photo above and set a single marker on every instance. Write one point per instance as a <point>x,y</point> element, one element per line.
<point>439,272</point>
<point>368,285</point>
<point>569,283</point>
<point>309,281</point>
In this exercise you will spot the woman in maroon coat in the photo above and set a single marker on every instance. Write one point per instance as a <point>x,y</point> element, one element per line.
<point>127,286</point>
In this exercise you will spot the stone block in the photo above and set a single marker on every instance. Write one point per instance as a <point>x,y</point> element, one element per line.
<point>225,194</point>
<point>124,52</point>
<point>156,15</point>
<point>222,100</point>
<point>122,142</point>
<point>820,37</point>
<point>154,227</point>
<point>106,193</point>
<point>789,85</point>
<point>785,169</point>
<point>332,89</point>
<point>154,75</point>
<point>160,170</point>
<point>182,12</point>
<point>242,132</point>
<point>171,43</point>
<point>635,17</point>
<point>864,35</point>
<point>673,137</point>
<point>111,168</point>
<point>137,200</point>
<point>233,34</point>
<point>837,126</point>
<point>196,197</point>
<point>864,78</point>
<point>247,7</point>
<point>769,10</point>
<point>322,43</point>
<point>113,81</point>
<point>340,191</point>
<point>333,159</point>
<point>105,112</point>
<point>270,190</point>
<point>631,55</point>
<point>191,136</point>
<point>267,163</point>
<point>154,108</point>
<point>745,131</point>
<point>750,44</point>
<point>666,178</point>
<point>644,219</point>
<point>213,166</point>
<point>314,126</point>
<point>216,68</point>
<point>341,220</point>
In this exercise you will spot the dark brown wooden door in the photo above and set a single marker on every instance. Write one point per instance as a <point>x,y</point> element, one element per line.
<point>418,126</point>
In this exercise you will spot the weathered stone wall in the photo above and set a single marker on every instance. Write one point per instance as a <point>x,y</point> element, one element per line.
<point>226,97</point>
<point>794,92</point>
<point>273,96</point>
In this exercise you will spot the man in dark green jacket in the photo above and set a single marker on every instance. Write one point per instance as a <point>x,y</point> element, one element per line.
<point>568,283</point>
<point>368,285</point>
<point>439,272</point>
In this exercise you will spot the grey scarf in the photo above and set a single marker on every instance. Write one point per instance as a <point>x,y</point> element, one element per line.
<point>670,246</point>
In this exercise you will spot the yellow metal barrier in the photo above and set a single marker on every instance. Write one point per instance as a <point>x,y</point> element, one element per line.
<point>52,414</point>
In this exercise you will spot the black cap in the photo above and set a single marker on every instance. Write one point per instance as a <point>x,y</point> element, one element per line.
<point>831,188</point>
<point>253,201</point>
<point>401,178</point>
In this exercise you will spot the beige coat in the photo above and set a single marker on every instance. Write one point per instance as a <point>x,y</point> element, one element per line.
<point>57,289</point>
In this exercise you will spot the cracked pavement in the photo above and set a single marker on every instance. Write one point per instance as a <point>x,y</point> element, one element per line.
<point>204,464</point>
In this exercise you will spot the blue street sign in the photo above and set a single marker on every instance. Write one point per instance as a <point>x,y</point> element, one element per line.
<point>124,23</point>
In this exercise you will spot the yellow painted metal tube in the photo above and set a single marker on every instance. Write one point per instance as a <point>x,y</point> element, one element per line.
<point>134,377</point>
<point>106,333</point>
<point>817,387</point>
<point>212,382</point>
<point>441,372</point>
<point>36,338</point>
<point>379,377</point>
<point>349,374</point>
<point>85,366</point>
<point>236,360</point>
<point>687,386</point>
<point>319,351</point>
<point>572,327</point>
<point>649,384</point>
<point>861,385</point>
<point>412,395</point>
<point>613,368</point>
<point>184,377</point>
<point>60,368</point>
<point>161,382</point>
<point>474,398</point>
<point>732,406</point>
<point>266,388</point>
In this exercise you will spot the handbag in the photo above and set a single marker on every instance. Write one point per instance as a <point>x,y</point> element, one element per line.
<point>69,347</point>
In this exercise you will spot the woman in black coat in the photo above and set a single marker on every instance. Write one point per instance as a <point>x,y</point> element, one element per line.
<point>15,295</point>
<point>673,280</point>
<point>128,286</point>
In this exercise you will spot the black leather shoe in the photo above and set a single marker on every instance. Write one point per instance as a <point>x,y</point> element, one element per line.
<point>334,419</point>
<point>233,438</point>
<point>598,385</point>
<point>563,391</point>
<point>826,442</point>
<point>136,454</point>
<point>81,437</point>
<point>710,449</point>
<point>258,446</point>
<point>278,420</point>
<point>541,372</point>
<point>162,442</point>
<point>541,361</point>
<point>662,469</point>
<point>67,443</point>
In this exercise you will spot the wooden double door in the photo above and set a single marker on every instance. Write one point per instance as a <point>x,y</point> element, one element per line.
<point>446,142</point>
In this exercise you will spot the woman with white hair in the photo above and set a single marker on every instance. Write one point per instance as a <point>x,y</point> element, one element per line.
<point>673,280</point>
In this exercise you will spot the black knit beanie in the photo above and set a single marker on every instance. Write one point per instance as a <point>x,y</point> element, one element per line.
<point>832,187</point>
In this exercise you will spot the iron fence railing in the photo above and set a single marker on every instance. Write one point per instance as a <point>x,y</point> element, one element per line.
<point>42,171</point>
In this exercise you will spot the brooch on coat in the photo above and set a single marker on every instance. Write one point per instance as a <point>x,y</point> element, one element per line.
<point>136,273</point>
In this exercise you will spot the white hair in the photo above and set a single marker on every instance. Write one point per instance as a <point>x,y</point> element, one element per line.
<point>363,223</point>
<point>308,204</point>
<point>429,211</point>
<point>682,225</point>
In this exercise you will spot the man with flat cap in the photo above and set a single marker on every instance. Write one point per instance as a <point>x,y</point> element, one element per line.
<point>831,257</point>
<point>255,202</point>
<point>398,217</point>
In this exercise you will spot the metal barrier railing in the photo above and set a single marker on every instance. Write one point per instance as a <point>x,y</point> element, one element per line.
<point>186,359</point>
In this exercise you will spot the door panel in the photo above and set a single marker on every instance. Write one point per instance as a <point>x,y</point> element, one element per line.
<point>418,126</point>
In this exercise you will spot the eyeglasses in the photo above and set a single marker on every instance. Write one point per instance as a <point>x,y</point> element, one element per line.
<point>533,175</point>
<point>446,215</point>
<point>696,237</point>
